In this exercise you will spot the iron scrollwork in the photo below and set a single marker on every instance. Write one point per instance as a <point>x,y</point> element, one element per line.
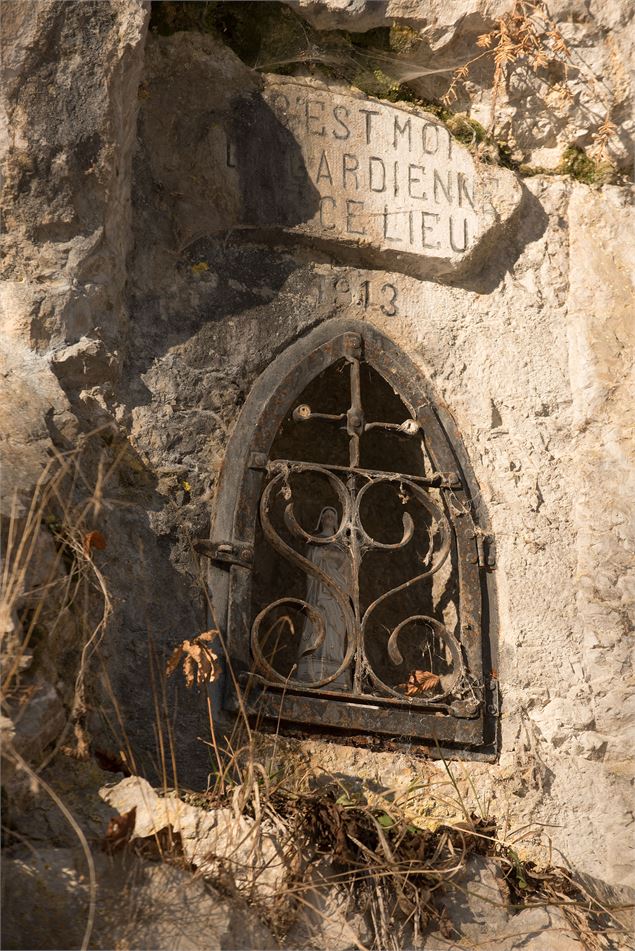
<point>354,674</point>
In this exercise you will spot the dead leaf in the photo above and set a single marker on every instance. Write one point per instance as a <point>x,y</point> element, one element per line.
<point>419,681</point>
<point>199,662</point>
<point>119,831</point>
<point>92,540</point>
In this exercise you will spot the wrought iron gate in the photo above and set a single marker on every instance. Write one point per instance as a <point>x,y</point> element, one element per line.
<point>341,671</point>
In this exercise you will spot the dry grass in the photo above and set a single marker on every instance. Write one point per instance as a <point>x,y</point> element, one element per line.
<point>392,870</point>
<point>53,591</point>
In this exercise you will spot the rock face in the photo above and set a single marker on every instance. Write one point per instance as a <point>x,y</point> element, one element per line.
<point>68,115</point>
<point>146,290</point>
<point>138,904</point>
<point>335,170</point>
<point>533,112</point>
<point>145,902</point>
<point>387,179</point>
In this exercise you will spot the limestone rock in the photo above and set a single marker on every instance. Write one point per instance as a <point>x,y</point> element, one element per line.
<point>138,905</point>
<point>535,929</point>
<point>38,721</point>
<point>531,113</point>
<point>195,81</point>
<point>530,350</point>
<point>303,159</point>
<point>326,916</point>
<point>67,182</point>
<point>477,904</point>
<point>67,128</point>
<point>31,400</point>
<point>34,815</point>
<point>382,179</point>
<point>84,363</point>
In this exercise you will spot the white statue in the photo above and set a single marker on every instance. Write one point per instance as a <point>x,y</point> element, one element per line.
<point>324,660</point>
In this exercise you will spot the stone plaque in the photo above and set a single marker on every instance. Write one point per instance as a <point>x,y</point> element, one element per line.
<point>354,171</point>
<point>287,159</point>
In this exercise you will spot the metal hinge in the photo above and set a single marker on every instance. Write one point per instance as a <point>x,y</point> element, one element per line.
<point>493,707</point>
<point>225,554</point>
<point>486,551</point>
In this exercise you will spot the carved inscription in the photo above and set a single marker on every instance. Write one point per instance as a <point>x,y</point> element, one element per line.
<point>377,296</point>
<point>382,176</point>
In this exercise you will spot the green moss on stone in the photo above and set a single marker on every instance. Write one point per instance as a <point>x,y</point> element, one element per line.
<point>403,39</point>
<point>377,83</point>
<point>576,163</point>
<point>528,171</point>
<point>272,37</point>
<point>579,166</point>
<point>465,129</point>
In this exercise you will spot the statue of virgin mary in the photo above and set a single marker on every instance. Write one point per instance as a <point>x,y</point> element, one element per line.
<point>333,559</point>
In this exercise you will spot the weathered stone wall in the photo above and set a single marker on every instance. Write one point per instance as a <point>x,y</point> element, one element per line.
<point>70,75</point>
<point>148,292</point>
<point>538,114</point>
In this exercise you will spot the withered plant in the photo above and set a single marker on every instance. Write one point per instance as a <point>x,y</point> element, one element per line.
<point>394,870</point>
<point>51,585</point>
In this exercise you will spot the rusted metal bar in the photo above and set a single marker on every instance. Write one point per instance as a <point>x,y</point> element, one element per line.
<point>225,553</point>
<point>436,480</point>
<point>325,712</point>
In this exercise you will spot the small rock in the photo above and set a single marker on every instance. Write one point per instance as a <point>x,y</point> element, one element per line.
<point>84,363</point>
<point>478,908</point>
<point>326,918</point>
<point>139,905</point>
<point>38,722</point>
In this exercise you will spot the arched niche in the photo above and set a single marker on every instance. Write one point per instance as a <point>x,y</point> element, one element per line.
<point>350,554</point>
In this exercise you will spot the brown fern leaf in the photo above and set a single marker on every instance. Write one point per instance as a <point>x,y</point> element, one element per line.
<point>419,681</point>
<point>485,40</point>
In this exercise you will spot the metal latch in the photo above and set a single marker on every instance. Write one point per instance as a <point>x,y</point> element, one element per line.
<point>465,709</point>
<point>225,554</point>
<point>446,480</point>
<point>486,551</point>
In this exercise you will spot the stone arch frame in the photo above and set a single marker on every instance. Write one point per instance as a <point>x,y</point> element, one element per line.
<point>231,547</point>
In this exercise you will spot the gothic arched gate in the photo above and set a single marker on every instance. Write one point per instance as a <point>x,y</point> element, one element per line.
<point>337,625</point>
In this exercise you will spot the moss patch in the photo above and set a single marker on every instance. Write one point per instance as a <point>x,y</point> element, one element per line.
<point>466,130</point>
<point>579,166</point>
<point>264,35</point>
